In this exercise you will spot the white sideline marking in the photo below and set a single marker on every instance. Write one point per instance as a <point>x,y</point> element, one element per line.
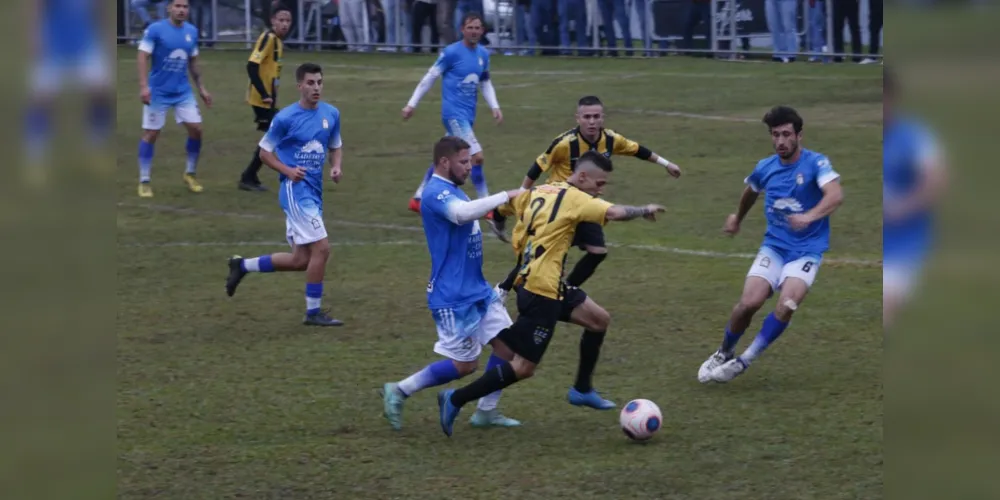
<point>175,244</point>
<point>651,248</point>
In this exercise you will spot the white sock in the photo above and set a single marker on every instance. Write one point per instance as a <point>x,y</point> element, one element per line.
<point>416,382</point>
<point>489,402</point>
<point>252,265</point>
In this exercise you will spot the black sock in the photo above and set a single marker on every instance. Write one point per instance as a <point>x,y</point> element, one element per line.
<point>585,268</point>
<point>250,174</point>
<point>491,381</point>
<point>590,350</point>
<point>509,282</point>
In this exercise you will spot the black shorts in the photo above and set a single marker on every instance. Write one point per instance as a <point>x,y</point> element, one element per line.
<point>262,117</point>
<point>532,331</point>
<point>589,234</point>
<point>572,298</point>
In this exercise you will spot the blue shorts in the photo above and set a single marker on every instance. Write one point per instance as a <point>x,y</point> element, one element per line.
<point>463,130</point>
<point>464,330</point>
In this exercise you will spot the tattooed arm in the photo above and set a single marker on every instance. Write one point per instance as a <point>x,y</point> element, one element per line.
<point>195,71</point>
<point>626,212</point>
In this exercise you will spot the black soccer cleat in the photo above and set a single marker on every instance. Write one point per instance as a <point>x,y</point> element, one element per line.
<point>321,318</point>
<point>236,274</point>
<point>498,223</point>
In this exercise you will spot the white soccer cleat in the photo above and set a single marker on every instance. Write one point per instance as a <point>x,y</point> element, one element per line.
<point>714,361</point>
<point>729,370</point>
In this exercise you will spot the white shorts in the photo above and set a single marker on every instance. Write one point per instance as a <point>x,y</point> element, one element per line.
<point>899,278</point>
<point>304,221</point>
<point>463,129</point>
<point>90,71</point>
<point>776,266</point>
<point>463,331</point>
<point>154,116</point>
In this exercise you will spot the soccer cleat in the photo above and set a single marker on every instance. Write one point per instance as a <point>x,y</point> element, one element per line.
<point>145,191</point>
<point>590,399</point>
<point>192,183</point>
<point>236,274</point>
<point>714,361</point>
<point>729,370</point>
<point>251,186</point>
<point>492,418</point>
<point>415,205</point>
<point>321,318</point>
<point>392,405</point>
<point>497,230</point>
<point>448,412</point>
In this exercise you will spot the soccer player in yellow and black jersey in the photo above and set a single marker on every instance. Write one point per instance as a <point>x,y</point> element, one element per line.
<point>551,213</point>
<point>264,70</point>
<point>560,160</point>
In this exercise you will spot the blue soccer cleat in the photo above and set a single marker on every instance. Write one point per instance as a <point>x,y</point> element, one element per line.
<point>449,412</point>
<point>590,399</point>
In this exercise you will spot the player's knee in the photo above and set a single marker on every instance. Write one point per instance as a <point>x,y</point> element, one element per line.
<point>194,131</point>
<point>477,159</point>
<point>149,136</point>
<point>522,368</point>
<point>785,309</point>
<point>749,304</point>
<point>466,367</point>
<point>320,250</point>
<point>601,320</point>
<point>300,261</point>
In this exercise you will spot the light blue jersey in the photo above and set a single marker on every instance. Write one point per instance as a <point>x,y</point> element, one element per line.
<point>907,149</point>
<point>793,189</point>
<point>171,47</point>
<point>68,29</point>
<point>462,70</point>
<point>456,250</point>
<point>301,137</point>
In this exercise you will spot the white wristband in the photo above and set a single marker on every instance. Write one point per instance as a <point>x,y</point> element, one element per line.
<point>663,161</point>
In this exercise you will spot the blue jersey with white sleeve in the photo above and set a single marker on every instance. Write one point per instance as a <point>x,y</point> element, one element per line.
<point>908,149</point>
<point>463,69</point>
<point>301,137</point>
<point>170,46</point>
<point>793,189</point>
<point>456,249</point>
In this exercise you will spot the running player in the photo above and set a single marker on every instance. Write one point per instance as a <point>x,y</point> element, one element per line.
<point>552,212</point>
<point>264,70</point>
<point>559,161</point>
<point>914,179</point>
<point>465,70</point>
<point>301,138</point>
<point>467,312</point>
<point>172,45</point>
<point>801,191</point>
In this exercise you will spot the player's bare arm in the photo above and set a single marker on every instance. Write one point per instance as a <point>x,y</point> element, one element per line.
<point>833,196</point>
<point>627,212</point>
<point>195,69</point>
<point>733,221</point>
<point>142,63</point>
<point>335,170</point>
<point>641,152</point>
<point>271,160</point>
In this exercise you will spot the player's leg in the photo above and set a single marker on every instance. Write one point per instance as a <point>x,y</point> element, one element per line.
<point>581,310</point>
<point>154,116</point>
<point>494,320</point>
<point>95,74</point>
<point>250,179</point>
<point>797,277</point>
<point>457,341</point>
<point>898,281</point>
<point>590,238</point>
<point>187,113</point>
<point>762,279</point>
<point>47,80</point>
<point>319,254</point>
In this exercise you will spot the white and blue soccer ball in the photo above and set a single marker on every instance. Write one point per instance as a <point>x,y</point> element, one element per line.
<point>640,419</point>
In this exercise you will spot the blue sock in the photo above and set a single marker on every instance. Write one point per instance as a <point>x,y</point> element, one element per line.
<point>100,122</point>
<point>730,340</point>
<point>193,150</point>
<point>479,180</point>
<point>37,131</point>
<point>489,402</point>
<point>314,294</point>
<point>437,373</point>
<point>769,332</point>
<point>145,160</point>
<point>427,178</point>
<point>260,264</point>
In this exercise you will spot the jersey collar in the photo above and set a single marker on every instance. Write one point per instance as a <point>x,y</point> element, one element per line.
<point>443,179</point>
<point>593,145</point>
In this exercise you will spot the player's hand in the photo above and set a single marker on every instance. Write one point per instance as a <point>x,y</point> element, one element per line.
<point>336,173</point>
<point>514,193</point>
<point>799,222</point>
<point>296,174</point>
<point>652,211</point>
<point>205,96</point>
<point>269,101</point>
<point>145,95</point>
<point>407,112</point>
<point>732,225</point>
<point>673,170</point>
<point>498,116</point>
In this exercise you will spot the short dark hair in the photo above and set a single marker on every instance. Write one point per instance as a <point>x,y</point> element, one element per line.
<point>449,145</point>
<point>472,16</point>
<point>307,69</point>
<point>281,7</point>
<point>589,100</point>
<point>602,162</point>
<point>782,115</point>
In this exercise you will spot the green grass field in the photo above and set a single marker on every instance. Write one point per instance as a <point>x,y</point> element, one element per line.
<point>233,398</point>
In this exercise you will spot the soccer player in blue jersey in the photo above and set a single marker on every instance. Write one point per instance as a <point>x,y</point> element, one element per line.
<point>913,181</point>
<point>465,70</point>
<point>172,46</point>
<point>801,190</point>
<point>467,312</point>
<point>68,56</point>
<point>302,137</point>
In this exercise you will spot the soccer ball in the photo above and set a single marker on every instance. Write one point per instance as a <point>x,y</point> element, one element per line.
<point>640,419</point>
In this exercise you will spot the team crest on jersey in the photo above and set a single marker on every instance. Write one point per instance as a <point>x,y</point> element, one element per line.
<point>799,179</point>
<point>187,38</point>
<point>480,61</point>
<point>326,124</point>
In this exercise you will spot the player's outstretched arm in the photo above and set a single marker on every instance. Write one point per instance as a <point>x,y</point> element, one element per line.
<point>627,212</point>
<point>463,212</point>
<point>626,146</point>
